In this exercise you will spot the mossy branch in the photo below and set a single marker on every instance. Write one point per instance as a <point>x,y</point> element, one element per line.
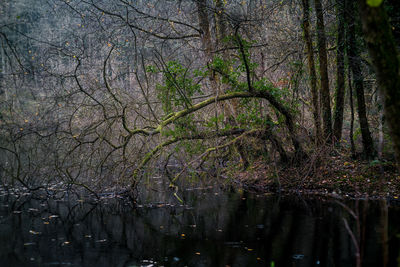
<point>171,118</point>
<point>176,115</point>
<point>149,155</point>
<point>205,154</point>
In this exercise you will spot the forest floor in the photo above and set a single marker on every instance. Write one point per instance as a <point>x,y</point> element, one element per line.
<point>338,176</point>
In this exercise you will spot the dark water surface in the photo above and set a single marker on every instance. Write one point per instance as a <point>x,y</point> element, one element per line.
<point>212,228</point>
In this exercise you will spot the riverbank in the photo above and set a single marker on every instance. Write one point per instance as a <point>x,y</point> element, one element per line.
<point>337,175</point>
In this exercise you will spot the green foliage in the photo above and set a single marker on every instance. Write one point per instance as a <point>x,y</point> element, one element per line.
<point>357,133</point>
<point>375,163</point>
<point>251,116</point>
<point>244,53</point>
<point>214,121</point>
<point>229,74</point>
<point>233,71</point>
<point>179,86</point>
<point>151,69</point>
<point>191,147</point>
<point>265,85</point>
<point>182,126</point>
<point>374,3</point>
<point>201,72</point>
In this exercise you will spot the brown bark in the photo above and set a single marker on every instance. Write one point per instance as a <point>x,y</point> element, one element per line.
<point>355,66</point>
<point>385,57</point>
<point>323,66</point>
<point>206,41</point>
<point>340,76</point>
<point>311,69</point>
<point>220,21</point>
<point>204,25</point>
<point>351,134</point>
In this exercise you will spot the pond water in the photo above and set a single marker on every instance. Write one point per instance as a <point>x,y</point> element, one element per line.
<point>211,228</point>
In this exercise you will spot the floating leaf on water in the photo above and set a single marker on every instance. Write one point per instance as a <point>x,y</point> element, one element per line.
<point>197,253</point>
<point>233,244</point>
<point>46,223</point>
<point>250,249</point>
<point>298,256</point>
<point>34,232</point>
<point>148,261</point>
<point>183,235</point>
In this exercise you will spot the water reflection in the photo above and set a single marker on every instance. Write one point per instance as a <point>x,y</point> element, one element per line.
<point>212,229</point>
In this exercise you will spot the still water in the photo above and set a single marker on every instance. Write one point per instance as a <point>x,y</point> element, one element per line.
<point>211,228</point>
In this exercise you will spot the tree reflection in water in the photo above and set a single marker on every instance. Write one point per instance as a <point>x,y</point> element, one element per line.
<point>213,228</point>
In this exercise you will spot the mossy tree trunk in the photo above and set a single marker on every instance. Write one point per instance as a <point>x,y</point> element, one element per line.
<point>311,69</point>
<point>323,66</point>
<point>355,65</point>
<point>204,25</point>
<point>220,22</point>
<point>385,57</point>
<point>340,73</point>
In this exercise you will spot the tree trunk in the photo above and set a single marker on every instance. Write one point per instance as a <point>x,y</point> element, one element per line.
<point>220,21</point>
<point>382,49</point>
<point>323,66</point>
<point>340,77</point>
<point>351,135</point>
<point>204,25</point>
<point>311,69</point>
<point>355,65</point>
